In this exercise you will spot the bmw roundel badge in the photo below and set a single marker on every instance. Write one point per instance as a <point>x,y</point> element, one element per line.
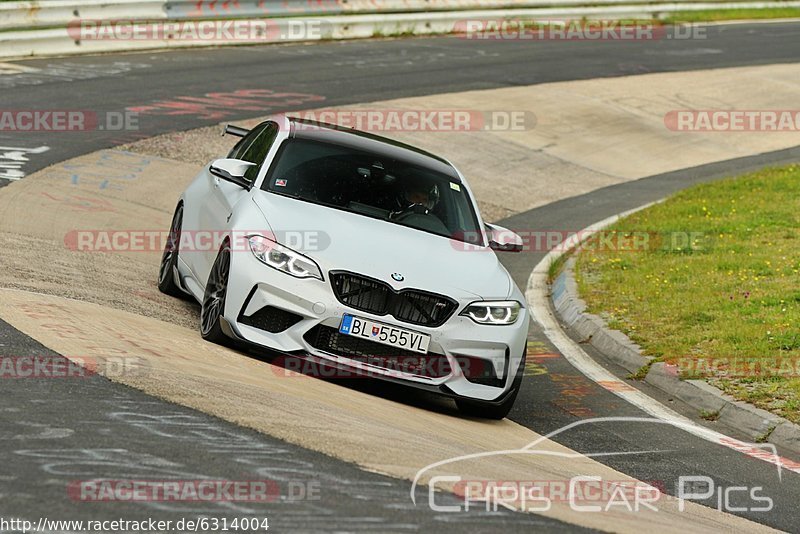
<point>397,277</point>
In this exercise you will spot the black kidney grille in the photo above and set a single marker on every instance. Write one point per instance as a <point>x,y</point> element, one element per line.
<point>422,308</point>
<point>362,293</point>
<point>408,305</point>
<point>330,340</point>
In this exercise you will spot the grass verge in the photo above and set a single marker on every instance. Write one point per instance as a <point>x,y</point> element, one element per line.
<point>718,15</point>
<point>708,281</point>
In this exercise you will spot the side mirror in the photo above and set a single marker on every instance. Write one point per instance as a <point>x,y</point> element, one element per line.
<point>232,170</point>
<point>503,240</point>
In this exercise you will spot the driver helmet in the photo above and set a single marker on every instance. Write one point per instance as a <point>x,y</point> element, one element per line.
<point>419,192</point>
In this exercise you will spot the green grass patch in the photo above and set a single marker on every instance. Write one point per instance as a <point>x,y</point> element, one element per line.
<point>712,284</point>
<point>714,15</point>
<point>709,415</point>
<point>640,373</point>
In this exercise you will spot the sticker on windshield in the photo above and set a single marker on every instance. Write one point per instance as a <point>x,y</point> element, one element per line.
<point>454,186</point>
<point>280,182</point>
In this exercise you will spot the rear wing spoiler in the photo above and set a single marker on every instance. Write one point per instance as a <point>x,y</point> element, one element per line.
<point>235,130</point>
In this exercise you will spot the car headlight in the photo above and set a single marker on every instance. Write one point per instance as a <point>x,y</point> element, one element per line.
<point>283,259</point>
<point>493,312</point>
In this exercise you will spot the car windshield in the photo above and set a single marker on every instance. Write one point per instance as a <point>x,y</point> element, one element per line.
<point>374,185</point>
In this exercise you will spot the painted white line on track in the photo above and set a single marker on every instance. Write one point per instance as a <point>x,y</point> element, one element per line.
<point>537,296</point>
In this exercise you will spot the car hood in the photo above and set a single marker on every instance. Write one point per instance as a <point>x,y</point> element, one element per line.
<point>340,240</point>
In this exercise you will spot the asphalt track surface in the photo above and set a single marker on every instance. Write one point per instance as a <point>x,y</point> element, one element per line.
<point>52,430</point>
<point>344,73</point>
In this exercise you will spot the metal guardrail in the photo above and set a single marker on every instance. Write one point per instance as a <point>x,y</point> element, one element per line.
<point>194,9</point>
<point>53,13</point>
<point>47,27</point>
<point>39,14</point>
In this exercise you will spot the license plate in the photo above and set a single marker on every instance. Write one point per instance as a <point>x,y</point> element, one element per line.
<point>384,333</point>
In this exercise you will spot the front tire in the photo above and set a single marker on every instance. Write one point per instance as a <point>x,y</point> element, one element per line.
<point>486,410</point>
<point>213,307</point>
<point>169,259</point>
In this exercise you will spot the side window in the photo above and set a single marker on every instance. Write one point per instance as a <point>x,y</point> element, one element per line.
<point>245,142</point>
<point>259,148</point>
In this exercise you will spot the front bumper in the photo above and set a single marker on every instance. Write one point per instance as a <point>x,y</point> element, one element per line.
<point>254,286</point>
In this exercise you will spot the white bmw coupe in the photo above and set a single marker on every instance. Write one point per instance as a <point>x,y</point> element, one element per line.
<point>358,252</point>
